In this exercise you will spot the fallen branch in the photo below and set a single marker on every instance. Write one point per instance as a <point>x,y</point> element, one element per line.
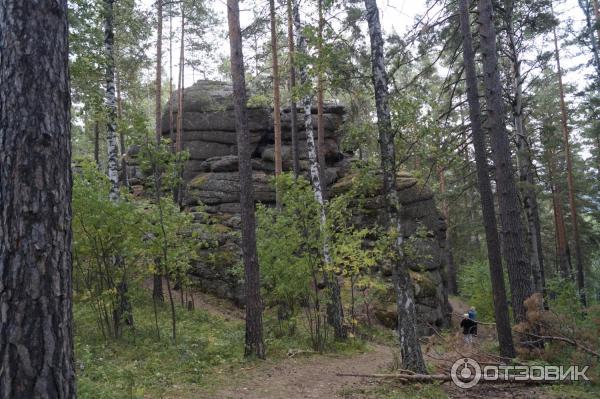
<point>566,340</point>
<point>443,378</point>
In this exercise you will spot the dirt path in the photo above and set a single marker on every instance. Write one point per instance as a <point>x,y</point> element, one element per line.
<point>307,377</point>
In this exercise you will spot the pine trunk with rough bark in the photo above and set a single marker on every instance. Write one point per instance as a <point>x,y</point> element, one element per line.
<point>180,96</point>
<point>519,268</point>
<point>254,344</point>
<point>524,162</point>
<point>570,185</point>
<point>36,321</point>
<point>485,189</point>
<point>291,6</point>
<point>335,310</point>
<point>410,349</point>
<point>276,99</point>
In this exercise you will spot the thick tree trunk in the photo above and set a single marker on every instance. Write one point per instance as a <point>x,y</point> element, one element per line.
<point>292,82</point>
<point>320,100</point>
<point>412,357</point>
<point>36,322</point>
<point>519,269</point>
<point>111,108</point>
<point>525,165</point>
<point>254,345</point>
<point>335,310</point>
<point>485,190</point>
<point>570,185</point>
<point>276,98</point>
<point>450,265</point>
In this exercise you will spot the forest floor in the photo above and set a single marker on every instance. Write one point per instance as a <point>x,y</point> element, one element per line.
<point>312,376</point>
<point>207,360</point>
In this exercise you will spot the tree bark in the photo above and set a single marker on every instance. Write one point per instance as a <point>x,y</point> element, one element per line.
<point>171,107</point>
<point>320,121</point>
<point>335,310</point>
<point>180,111</point>
<point>276,99</point>
<point>412,357</point>
<point>123,179</point>
<point>519,268</point>
<point>111,109</point>
<point>36,322</point>
<point>292,82</point>
<point>525,165</point>
<point>485,190</point>
<point>97,143</point>
<point>254,345</point>
<point>157,285</point>
<point>570,184</point>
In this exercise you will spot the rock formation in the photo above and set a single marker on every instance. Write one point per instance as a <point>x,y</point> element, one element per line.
<point>213,184</point>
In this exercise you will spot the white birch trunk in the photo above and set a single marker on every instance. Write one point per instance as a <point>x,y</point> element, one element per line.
<point>335,310</point>
<point>111,103</point>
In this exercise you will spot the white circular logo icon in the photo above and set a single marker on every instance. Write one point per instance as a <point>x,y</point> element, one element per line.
<point>465,373</point>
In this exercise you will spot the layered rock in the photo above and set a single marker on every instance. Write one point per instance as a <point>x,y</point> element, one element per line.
<point>213,184</point>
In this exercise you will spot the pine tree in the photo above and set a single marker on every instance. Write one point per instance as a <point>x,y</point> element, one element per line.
<point>485,189</point>
<point>254,344</point>
<point>36,328</point>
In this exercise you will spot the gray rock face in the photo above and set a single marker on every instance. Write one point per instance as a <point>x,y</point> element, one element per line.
<point>213,183</point>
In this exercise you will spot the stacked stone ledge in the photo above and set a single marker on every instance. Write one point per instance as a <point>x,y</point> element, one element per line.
<point>213,184</point>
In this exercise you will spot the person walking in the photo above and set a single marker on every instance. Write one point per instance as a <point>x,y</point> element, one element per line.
<point>469,326</point>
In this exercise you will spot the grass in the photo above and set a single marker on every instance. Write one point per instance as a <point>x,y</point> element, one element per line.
<point>208,352</point>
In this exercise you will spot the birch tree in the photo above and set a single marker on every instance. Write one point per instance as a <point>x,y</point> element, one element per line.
<point>335,310</point>
<point>410,349</point>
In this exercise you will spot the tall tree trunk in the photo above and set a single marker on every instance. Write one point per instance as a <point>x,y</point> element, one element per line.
<point>276,99</point>
<point>451,266</point>
<point>171,105</point>
<point>254,345</point>
<point>124,180</point>
<point>562,245</point>
<point>485,190</point>
<point>570,184</point>
<point>36,321</point>
<point>122,311</point>
<point>410,349</point>
<point>179,140</point>
<point>525,165</point>
<point>111,108</point>
<point>335,310</point>
<point>292,82</point>
<point>97,143</point>
<point>320,121</point>
<point>157,284</point>
<point>519,269</point>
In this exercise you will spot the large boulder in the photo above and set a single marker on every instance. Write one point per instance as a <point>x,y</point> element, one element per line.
<point>213,186</point>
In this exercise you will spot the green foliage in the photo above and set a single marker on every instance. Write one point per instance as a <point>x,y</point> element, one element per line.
<point>143,236</point>
<point>475,285</point>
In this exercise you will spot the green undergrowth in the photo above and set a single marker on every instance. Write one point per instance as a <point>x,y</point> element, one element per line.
<point>208,352</point>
